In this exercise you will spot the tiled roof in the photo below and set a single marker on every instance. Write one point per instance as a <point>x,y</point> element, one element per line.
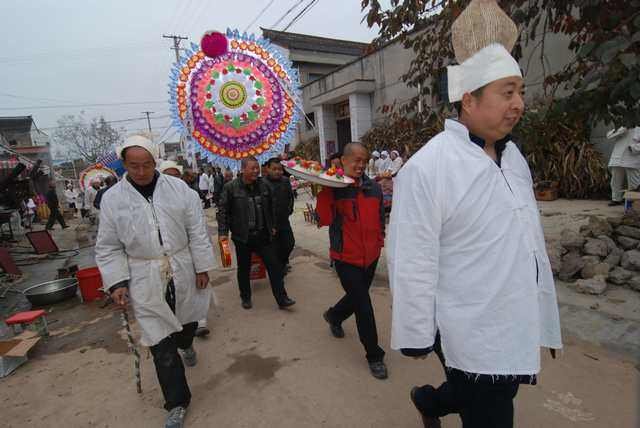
<point>314,43</point>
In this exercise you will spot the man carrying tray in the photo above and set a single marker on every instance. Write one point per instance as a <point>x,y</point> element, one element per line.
<point>355,216</point>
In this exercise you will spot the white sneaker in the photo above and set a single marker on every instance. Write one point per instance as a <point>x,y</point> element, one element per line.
<point>175,418</point>
<point>189,357</point>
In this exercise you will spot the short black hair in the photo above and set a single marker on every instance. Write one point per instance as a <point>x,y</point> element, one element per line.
<point>245,161</point>
<point>272,161</point>
<point>458,104</point>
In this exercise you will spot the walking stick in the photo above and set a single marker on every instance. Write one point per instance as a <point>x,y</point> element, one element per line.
<point>125,323</point>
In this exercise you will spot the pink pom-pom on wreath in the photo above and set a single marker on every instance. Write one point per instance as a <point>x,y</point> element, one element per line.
<point>214,44</point>
<point>291,163</point>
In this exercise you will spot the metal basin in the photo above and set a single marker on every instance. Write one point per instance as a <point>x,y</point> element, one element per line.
<point>52,292</point>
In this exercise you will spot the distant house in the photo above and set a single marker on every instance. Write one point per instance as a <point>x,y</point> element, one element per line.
<point>22,137</point>
<point>314,57</point>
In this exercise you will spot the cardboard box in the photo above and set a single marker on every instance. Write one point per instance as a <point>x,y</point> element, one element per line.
<point>13,352</point>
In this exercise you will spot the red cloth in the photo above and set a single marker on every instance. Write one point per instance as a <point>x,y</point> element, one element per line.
<point>25,317</point>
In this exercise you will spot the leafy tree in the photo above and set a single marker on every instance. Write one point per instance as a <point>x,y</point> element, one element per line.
<point>601,82</point>
<point>87,140</point>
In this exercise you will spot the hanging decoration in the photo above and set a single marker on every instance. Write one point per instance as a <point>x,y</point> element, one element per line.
<point>235,96</point>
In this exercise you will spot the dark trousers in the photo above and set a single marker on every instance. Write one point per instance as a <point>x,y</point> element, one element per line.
<point>55,215</point>
<point>479,404</point>
<point>168,362</point>
<point>203,196</point>
<point>268,251</point>
<point>356,282</point>
<point>285,241</point>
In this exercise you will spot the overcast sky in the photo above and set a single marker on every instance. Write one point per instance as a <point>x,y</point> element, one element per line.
<point>70,52</point>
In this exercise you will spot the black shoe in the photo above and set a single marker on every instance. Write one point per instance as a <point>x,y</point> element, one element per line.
<point>65,227</point>
<point>427,421</point>
<point>615,203</point>
<point>286,302</point>
<point>336,329</point>
<point>247,304</point>
<point>378,369</point>
<point>202,331</point>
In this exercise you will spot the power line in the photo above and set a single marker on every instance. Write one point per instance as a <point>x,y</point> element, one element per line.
<point>83,105</point>
<point>183,15</point>
<point>259,15</point>
<point>286,13</point>
<point>301,14</point>
<point>49,128</point>
<point>5,94</point>
<point>198,12</point>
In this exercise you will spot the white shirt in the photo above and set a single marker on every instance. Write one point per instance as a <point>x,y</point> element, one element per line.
<point>89,196</point>
<point>70,195</point>
<point>382,165</point>
<point>396,164</point>
<point>128,248</point>
<point>626,152</point>
<point>204,182</point>
<point>464,240</point>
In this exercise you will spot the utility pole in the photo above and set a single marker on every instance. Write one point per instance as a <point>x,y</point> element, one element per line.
<point>149,122</point>
<point>183,143</point>
<point>176,43</point>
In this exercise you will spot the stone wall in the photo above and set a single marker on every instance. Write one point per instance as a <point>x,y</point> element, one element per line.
<point>604,252</point>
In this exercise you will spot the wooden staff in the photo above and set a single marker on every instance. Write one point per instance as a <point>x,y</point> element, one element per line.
<point>125,323</point>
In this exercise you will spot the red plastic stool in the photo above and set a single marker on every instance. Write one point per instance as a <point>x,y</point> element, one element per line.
<point>27,318</point>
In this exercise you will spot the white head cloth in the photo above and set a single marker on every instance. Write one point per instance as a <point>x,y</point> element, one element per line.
<point>168,164</point>
<point>384,153</point>
<point>375,154</point>
<point>489,64</point>
<point>140,141</point>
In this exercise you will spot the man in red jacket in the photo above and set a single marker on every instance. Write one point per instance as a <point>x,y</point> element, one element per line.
<point>355,216</point>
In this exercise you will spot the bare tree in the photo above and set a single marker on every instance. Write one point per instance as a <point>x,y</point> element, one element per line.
<point>87,140</point>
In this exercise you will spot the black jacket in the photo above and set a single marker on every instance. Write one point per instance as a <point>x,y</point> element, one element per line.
<point>233,209</point>
<point>283,196</point>
<point>52,199</point>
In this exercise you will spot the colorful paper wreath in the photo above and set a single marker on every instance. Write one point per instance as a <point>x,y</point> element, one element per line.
<point>236,97</point>
<point>94,172</point>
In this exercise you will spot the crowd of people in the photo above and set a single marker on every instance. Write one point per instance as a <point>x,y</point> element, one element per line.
<point>469,274</point>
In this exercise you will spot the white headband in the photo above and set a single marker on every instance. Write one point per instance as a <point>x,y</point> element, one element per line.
<point>140,141</point>
<point>168,164</point>
<point>489,64</point>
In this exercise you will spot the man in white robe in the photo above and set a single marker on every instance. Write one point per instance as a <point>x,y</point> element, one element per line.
<point>396,162</point>
<point>153,248</point>
<point>624,163</point>
<point>468,268</point>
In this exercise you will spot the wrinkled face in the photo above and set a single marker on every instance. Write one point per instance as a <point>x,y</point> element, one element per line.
<point>355,162</point>
<point>140,165</point>
<point>172,172</point>
<point>251,171</point>
<point>274,171</point>
<point>497,110</point>
<point>393,156</point>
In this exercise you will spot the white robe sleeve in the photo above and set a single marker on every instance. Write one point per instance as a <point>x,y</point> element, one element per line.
<point>199,241</point>
<point>110,255</point>
<point>413,256</point>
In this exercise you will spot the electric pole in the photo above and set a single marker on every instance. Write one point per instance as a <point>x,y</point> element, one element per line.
<point>149,121</point>
<point>183,138</point>
<point>176,43</point>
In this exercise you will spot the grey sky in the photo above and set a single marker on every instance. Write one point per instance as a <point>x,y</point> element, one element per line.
<point>55,52</point>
